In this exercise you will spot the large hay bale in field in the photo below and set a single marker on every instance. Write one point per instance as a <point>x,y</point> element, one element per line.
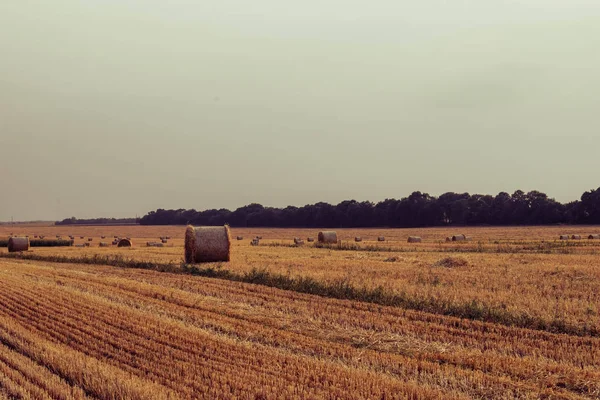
<point>102,237</point>
<point>90,239</point>
<point>358,239</point>
<point>104,244</point>
<point>164,241</point>
<point>329,237</point>
<point>381,239</point>
<point>414,239</point>
<point>240,238</point>
<point>125,243</point>
<point>576,237</point>
<point>254,242</point>
<point>298,241</point>
<point>310,239</point>
<point>564,237</point>
<point>259,237</point>
<point>80,237</point>
<point>207,244</point>
<point>18,244</point>
<point>591,237</point>
<point>459,238</point>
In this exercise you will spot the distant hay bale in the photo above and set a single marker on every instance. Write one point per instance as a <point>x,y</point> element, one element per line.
<point>104,244</point>
<point>90,239</point>
<point>87,244</point>
<point>41,237</point>
<point>310,239</point>
<point>448,239</point>
<point>164,241</point>
<point>564,237</point>
<point>80,245</point>
<point>298,241</point>
<point>259,237</point>
<point>240,238</point>
<point>381,239</point>
<point>115,237</point>
<point>459,238</point>
<point>591,237</point>
<point>329,237</point>
<point>124,243</point>
<point>150,244</point>
<point>115,242</point>
<point>102,237</point>
<point>254,242</point>
<point>207,244</point>
<point>576,237</point>
<point>358,239</point>
<point>414,239</point>
<point>35,236</point>
<point>18,244</point>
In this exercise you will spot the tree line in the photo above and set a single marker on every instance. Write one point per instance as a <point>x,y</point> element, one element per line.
<point>98,221</point>
<point>417,210</point>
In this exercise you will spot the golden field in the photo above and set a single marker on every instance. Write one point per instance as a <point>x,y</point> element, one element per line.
<point>75,331</point>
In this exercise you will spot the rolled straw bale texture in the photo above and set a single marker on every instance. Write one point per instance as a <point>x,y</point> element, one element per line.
<point>90,239</point>
<point>310,239</point>
<point>298,241</point>
<point>414,239</point>
<point>18,244</point>
<point>240,238</point>
<point>207,244</point>
<point>124,243</point>
<point>381,239</point>
<point>564,237</point>
<point>459,238</point>
<point>576,237</point>
<point>103,244</point>
<point>328,237</point>
<point>358,239</point>
<point>594,237</point>
<point>164,241</point>
<point>254,242</point>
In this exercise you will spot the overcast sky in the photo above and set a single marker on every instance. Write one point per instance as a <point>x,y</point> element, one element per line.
<point>119,107</point>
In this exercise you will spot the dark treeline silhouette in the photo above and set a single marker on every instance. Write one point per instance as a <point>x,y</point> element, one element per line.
<point>98,221</point>
<point>417,210</point>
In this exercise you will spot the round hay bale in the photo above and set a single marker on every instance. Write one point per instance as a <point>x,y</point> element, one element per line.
<point>80,237</point>
<point>594,237</point>
<point>358,239</point>
<point>103,237</point>
<point>240,238</point>
<point>125,243</point>
<point>459,238</point>
<point>414,239</point>
<point>259,237</point>
<point>87,244</point>
<point>381,239</point>
<point>564,237</point>
<point>115,242</point>
<point>164,241</point>
<point>207,244</point>
<point>310,239</point>
<point>576,237</point>
<point>90,239</point>
<point>254,242</point>
<point>115,237</point>
<point>298,241</point>
<point>18,244</point>
<point>104,244</point>
<point>329,237</point>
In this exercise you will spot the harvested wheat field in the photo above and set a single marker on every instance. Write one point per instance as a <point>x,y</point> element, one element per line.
<point>514,313</point>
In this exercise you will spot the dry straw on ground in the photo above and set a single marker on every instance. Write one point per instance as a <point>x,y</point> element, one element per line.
<point>125,243</point>
<point>207,244</point>
<point>329,237</point>
<point>18,244</point>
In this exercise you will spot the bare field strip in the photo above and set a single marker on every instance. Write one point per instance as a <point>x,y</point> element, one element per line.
<point>66,330</point>
<point>556,289</point>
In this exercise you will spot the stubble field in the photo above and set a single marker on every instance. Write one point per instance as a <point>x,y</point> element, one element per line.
<point>512,314</point>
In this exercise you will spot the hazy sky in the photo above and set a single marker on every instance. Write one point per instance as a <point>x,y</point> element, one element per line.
<point>119,107</point>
